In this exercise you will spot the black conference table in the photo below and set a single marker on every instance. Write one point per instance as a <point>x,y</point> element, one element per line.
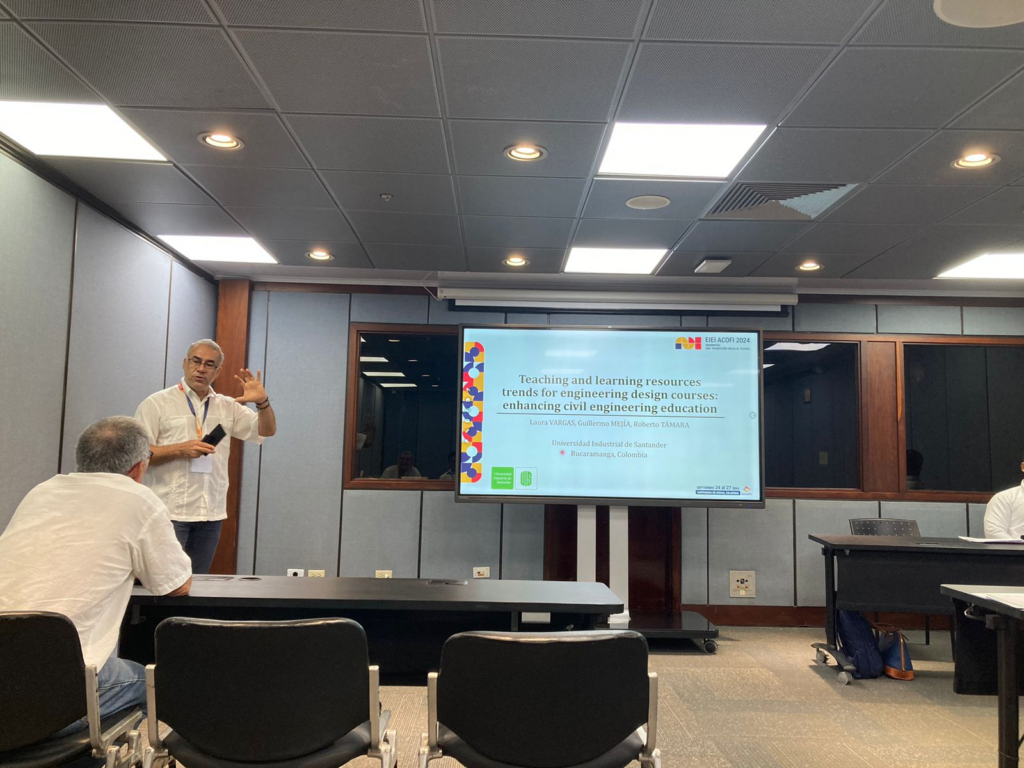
<point>902,574</point>
<point>406,620</point>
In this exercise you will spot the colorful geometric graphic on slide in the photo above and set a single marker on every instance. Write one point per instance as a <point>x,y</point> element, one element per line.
<point>470,466</point>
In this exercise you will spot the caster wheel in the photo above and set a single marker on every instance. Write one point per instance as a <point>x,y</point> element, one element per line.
<point>843,678</point>
<point>820,657</point>
<point>710,646</point>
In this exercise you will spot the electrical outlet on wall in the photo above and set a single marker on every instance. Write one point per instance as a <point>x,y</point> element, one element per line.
<point>742,584</point>
<point>481,571</point>
<point>317,574</point>
<point>382,574</point>
<point>295,572</point>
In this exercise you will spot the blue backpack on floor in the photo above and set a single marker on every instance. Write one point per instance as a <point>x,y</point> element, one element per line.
<point>858,642</point>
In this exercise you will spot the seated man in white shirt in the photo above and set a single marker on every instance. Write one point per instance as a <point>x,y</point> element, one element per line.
<point>405,468</point>
<point>77,542</point>
<point>1004,515</point>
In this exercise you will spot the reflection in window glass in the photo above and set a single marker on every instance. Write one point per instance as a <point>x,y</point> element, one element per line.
<point>810,414</point>
<point>406,406</point>
<point>965,416</point>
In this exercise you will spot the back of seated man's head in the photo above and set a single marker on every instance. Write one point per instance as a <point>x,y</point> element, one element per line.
<point>118,445</point>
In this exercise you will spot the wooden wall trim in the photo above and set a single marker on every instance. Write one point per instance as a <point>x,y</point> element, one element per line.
<point>233,337</point>
<point>879,439</point>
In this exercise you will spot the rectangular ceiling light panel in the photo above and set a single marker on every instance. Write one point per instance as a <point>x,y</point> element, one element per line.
<point>392,374</point>
<point>241,250</point>
<point>681,150</point>
<point>74,130</point>
<point>1006,266</point>
<point>615,261</point>
<point>396,385</point>
<point>795,346</point>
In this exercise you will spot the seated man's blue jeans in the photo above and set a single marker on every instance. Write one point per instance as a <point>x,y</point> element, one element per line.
<point>122,684</point>
<point>199,540</point>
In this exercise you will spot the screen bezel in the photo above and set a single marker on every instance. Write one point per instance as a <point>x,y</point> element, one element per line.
<point>614,500</point>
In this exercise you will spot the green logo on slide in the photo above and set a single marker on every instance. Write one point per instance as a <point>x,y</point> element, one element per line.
<point>526,478</point>
<point>503,478</point>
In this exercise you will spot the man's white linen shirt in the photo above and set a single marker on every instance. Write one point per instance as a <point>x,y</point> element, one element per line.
<point>76,544</point>
<point>193,496</point>
<point>1004,515</point>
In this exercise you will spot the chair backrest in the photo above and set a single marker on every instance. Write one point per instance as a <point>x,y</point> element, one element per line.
<point>42,677</point>
<point>256,691</point>
<point>543,699</point>
<point>884,526</point>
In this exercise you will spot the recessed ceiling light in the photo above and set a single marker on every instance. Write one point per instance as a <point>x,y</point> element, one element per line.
<point>362,340</point>
<point>525,152</point>
<point>647,202</point>
<point>73,130</point>
<point>712,266</point>
<point>767,365</point>
<point>795,346</point>
<point>414,361</point>
<point>434,385</point>
<point>425,375</point>
<point>809,266</point>
<point>388,374</point>
<point>372,359</point>
<point>976,160</point>
<point>395,384</point>
<point>219,140</point>
<point>394,341</point>
<point>516,261</point>
<point>205,248</point>
<point>1006,266</point>
<point>615,261</point>
<point>320,255</point>
<point>684,150</point>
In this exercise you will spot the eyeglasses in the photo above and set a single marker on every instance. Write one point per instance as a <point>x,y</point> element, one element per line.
<point>150,457</point>
<point>209,365</point>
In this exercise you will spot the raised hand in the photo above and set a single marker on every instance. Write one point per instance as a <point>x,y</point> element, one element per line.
<point>252,387</point>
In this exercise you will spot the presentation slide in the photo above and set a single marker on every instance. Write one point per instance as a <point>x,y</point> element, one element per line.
<point>591,416</point>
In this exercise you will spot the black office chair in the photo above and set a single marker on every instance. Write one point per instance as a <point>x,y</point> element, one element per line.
<point>247,693</point>
<point>884,526</point>
<point>542,700</point>
<point>45,686</point>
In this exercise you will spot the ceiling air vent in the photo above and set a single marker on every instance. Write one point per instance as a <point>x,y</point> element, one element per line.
<point>778,202</point>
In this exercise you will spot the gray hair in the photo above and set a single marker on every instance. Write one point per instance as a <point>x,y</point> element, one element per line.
<point>206,343</point>
<point>115,445</point>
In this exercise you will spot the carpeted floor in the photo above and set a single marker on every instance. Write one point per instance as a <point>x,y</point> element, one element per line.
<point>762,701</point>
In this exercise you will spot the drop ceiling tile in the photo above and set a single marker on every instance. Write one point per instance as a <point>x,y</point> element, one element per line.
<point>1003,108</point>
<point>517,232</point>
<point>538,18</point>
<point>171,219</point>
<point>900,87</point>
<point>479,147</point>
<point>515,79</point>
<point>392,16</point>
<point>931,162</point>
<point>293,253</point>
<point>29,73</point>
<point>1004,207</point>
<point>262,187</point>
<point>414,228</point>
<point>266,142</point>
<point>870,239</point>
<point>542,260</point>
<point>177,11</point>
<point>902,204</point>
<point>899,22</point>
<point>434,258</point>
<point>520,196</point>
<point>796,21</point>
<point>295,223</point>
<point>747,236</point>
<point>345,73</point>
<point>119,181</point>
<point>411,192</point>
<point>832,265</point>
<point>829,155</point>
<point>128,64</point>
<point>674,82</point>
<point>372,143</point>
<point>689,199</point>
<point>629,233</point>
<point>682,263</point>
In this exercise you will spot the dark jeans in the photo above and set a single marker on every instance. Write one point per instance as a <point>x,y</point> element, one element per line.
<point>199,540</point>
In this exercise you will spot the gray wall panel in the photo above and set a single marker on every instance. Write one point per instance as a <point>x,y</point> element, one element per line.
<point>694,555</point>
<point>758,540</point>
<point>385,308</point>
<point>976,520</point>
<point>438,313</point>
<point>522,541</point>
<point>835,318</point>
<point>900,318</point>
<point>993,321</point>
<point>380,530</point>
<point>642,321</point>
<point>813,516</point>
<point>193,317</point>
<point>526,318</point>
<point>751,321</point>
<point>300,483</point>
<point>457,537</point>
<point>249,490</point>
<point>121,290</point>
<point>35,219</point>
<point>942,519</point>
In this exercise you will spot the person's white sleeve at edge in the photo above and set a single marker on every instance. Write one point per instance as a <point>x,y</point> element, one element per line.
<point>246,424</point>
<point>149,414</point>
<point>998,515</point>
<point>158,560</point>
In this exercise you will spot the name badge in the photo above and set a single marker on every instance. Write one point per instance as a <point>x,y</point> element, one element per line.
<point>203,465</point>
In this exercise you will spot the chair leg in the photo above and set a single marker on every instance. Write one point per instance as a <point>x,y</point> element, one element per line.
<point>927,630</point>
<point>426,754</point>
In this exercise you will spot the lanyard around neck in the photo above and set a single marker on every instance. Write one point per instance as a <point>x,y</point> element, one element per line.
<point>206,412</point>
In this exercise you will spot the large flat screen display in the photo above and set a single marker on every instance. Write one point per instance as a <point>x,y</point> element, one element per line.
<point>592,416</point>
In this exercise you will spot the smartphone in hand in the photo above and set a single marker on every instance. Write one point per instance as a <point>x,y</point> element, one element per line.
<point>215,436</point>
